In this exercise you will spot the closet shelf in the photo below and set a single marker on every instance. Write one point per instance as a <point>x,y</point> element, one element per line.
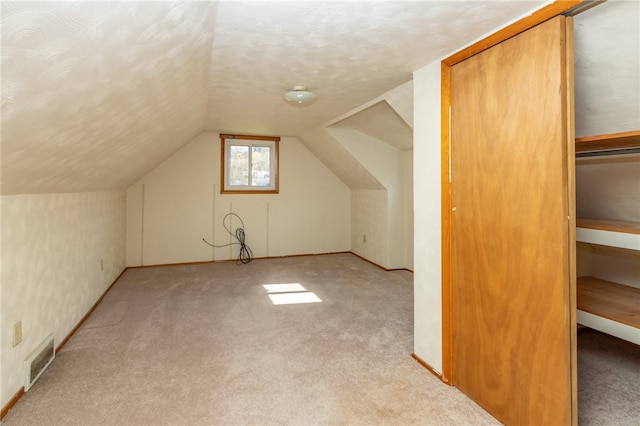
<point>609,233</point>
<point>617,302</point>
<point>611,141</point>
<point>609,225</point>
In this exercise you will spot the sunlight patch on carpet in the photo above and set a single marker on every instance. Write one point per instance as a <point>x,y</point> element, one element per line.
<point>290,294</point>
<point>294,298</point>
<point>284,288</point>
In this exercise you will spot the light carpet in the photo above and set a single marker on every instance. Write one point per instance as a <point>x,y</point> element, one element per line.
<point>608,380</point>
<point>204,344</point>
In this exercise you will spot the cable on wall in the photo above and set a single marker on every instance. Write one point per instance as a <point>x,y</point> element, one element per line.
<point>246,255</point>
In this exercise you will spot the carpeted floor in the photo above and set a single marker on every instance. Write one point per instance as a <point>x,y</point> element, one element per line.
<point>608,380</point>
<point>204,344</point>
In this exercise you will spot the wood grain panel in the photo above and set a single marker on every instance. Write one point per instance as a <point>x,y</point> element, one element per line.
<point>612,141</point>
<point>550,11</point>
<point>511,220</point>
<point>570,171</point>
<point>445,195</point>
<point>613,301</point>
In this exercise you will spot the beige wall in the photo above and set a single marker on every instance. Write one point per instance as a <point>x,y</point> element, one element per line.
<point>176,205</point>
<point>427,278</point>
<point>391,167</point>
<point>369,217</point>
<point>407,166</point>
<point>52,247</point>
<point>607,68</point>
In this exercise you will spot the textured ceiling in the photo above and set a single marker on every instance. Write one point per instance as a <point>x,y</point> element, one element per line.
<point>347,52</point>
<point>95,94</point>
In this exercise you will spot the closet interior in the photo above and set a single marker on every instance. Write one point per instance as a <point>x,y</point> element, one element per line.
<point>607,123</point>
<point>608,234</point>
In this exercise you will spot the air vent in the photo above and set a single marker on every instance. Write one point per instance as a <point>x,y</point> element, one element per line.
<point>38,361</point>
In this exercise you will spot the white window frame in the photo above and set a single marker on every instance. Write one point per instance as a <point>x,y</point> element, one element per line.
<point>227,141</point>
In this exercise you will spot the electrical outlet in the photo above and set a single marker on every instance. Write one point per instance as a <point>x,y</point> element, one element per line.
<point>102,264</point>
<point>364,238</point>
<point>17,333</point>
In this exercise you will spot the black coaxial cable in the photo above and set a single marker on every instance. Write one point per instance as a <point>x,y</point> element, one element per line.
<point>246,255</point>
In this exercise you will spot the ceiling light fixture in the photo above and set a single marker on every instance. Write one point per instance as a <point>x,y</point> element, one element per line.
<point>300,95</point>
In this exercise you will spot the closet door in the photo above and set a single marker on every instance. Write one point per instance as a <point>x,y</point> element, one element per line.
<point>512,256</point>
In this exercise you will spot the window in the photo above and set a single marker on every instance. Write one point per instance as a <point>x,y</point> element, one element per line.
<point>249,164</point>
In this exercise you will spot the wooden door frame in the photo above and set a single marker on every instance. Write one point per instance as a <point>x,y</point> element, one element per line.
<point>552,10</point>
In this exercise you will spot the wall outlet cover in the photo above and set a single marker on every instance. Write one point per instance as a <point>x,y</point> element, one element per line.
<point>17,333</point>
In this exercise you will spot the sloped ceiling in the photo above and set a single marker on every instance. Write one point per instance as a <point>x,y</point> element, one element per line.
<point>344,165</point>
<point>347,52</point>
<point>381,122</point>
<point>376,118</point>
<point>95,94</point>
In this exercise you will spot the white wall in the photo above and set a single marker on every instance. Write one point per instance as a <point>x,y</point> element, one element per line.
<point>389,166</point>
<point>427,277</point>
<point>52,246</point>
<point>607,68</point>
<point>407,166</point>
<point>369,217</point>
<point>607,188</point>
<point>177,207</point>
<point>178,203</point>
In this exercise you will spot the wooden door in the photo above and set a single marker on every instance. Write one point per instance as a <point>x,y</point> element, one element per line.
<point>512,215</point>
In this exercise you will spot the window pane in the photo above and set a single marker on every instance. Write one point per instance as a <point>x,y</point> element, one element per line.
<point>250,164</point>
<point>239,165</point>
<point>261,164</point>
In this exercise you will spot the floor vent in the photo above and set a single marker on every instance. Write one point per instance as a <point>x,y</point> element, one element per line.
<point>38,361</point>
